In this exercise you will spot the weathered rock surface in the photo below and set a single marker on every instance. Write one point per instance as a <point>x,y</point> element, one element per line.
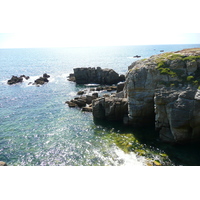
<point>71,77</point>
<point>110,108</point>
<point>97,75</point>
<point>163,89</point>
<point>16,79</point>
<point>84,102</point>
<point>177,115</point>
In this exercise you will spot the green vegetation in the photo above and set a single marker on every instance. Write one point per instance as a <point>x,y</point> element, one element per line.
<point>190,78</point>
<point>191,58</point>
<point>164,68</point>
<point>129,143</point>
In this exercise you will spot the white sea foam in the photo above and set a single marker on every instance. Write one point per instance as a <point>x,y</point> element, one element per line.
<point>130,159</point>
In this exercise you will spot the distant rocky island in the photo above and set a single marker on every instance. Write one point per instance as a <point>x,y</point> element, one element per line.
<point>162,90</point>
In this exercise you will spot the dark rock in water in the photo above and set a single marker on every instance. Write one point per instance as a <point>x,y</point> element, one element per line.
<point>71,104</point>
<point>15,80</point>
<point>87,109</point>
<point>80,101</point>
<point>41,81</point>
<point>45,75</point>
<point>80,92</point>
<point>3,163</point>
<point>96,75</point>
<point>26,77</point>
<point>71,77</point>
<point>136,56</point>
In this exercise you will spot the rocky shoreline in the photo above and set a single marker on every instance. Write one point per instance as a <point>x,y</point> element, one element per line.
<point>161,91</point>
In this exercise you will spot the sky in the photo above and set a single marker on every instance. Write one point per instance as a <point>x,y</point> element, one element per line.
<point>63,23</point>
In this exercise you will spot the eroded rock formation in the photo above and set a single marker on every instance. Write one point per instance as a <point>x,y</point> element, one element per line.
<point>162,90</point>
<point>97,75</point>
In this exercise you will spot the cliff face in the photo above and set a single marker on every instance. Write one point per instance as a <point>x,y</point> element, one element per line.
<point>163,89</point>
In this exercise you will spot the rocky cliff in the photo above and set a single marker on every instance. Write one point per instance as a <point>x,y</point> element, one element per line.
<point>162,90</point>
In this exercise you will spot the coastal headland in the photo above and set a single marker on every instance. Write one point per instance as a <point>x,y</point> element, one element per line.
<point>161,91</point>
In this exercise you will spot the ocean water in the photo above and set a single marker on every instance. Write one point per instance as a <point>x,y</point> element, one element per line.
<point>37,128</point>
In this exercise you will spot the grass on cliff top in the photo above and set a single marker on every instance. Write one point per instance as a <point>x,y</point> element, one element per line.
<point>175,56</point>
<point>164,68</point>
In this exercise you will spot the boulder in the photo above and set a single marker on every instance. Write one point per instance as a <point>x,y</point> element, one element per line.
<point>80,101</point>
<point>87,109</point>
<point>71,104</point>
<point>80,92</point>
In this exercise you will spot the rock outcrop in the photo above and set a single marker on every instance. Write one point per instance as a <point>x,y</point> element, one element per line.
<point>42,80</point>
<point>97,75</point>
<point>39,81</point>
<point>83,102</point>
<point>162,90</point>
<point>177,114</point>
<point>110,108</point>
<point>16,79</point>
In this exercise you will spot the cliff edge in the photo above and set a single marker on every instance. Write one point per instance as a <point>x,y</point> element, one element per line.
<point>162,90</point>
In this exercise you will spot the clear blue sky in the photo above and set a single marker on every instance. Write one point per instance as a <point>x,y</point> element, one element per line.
<point>44,23</point>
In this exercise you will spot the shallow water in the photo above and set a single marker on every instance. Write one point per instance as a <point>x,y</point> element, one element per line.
<point>38,128</point>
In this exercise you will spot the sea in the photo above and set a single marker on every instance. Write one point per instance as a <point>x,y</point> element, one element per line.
<point>37,128</point>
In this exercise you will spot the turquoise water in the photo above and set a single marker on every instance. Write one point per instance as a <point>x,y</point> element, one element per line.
<point>37,128</point>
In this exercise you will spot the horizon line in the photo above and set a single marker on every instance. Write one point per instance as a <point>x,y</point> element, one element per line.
<point>97,46</point>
